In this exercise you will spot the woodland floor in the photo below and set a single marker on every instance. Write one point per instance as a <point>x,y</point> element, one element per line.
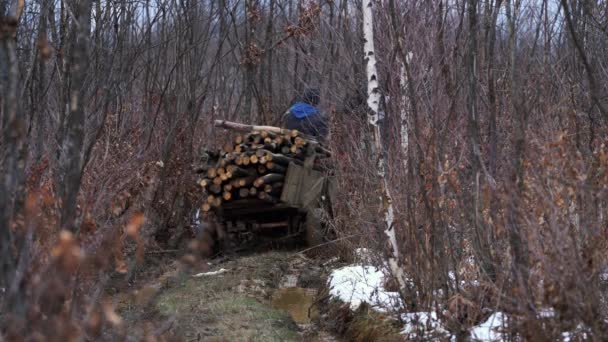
<point>262,296</point>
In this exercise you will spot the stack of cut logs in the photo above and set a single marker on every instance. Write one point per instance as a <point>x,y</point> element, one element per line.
<point>254,166</point>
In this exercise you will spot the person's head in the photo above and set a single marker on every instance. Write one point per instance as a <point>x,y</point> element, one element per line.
<point>312,96</point>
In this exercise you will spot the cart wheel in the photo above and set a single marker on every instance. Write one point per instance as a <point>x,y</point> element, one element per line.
<point>314,227</point>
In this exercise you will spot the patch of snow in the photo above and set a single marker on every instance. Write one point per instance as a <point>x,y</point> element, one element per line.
<point>580,332</point>
<point>489,331</point>
<point>417,322</point>
<point>546,313</point>
<point>204,274</point>
<point>364,255</point>
<point>358,284</point>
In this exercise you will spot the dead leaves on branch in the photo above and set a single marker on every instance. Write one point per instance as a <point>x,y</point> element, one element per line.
<point>132,230</point>
<point>67,252</point>
<point>308,15</point>
<point>306,20</point>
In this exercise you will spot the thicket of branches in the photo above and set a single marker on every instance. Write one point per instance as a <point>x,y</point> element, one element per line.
<point>495,122</point>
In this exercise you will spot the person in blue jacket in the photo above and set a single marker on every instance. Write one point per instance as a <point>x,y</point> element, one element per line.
<point>306,117</point>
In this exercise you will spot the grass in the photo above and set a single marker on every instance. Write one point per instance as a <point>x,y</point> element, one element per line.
<point>232,306</point>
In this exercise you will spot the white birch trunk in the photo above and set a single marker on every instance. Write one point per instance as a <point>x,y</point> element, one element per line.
<point>373,100</point>
<point>405,110</point>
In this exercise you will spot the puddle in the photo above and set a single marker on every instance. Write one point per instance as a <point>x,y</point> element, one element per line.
<point>297,301</point>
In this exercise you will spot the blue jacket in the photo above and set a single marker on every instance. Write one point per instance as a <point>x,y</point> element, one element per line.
<point>307,119</point>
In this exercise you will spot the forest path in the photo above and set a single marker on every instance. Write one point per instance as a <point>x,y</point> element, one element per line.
<point>267,296</point>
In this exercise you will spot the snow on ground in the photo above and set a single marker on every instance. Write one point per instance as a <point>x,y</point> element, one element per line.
<point>357,284</point>
<point>220,271</point>
<point>490,330</point>
<point>578,334</point>
<point>421,322</point>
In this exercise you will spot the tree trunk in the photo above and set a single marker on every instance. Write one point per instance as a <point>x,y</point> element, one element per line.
<point>373,101</point>
<point>71,149</point>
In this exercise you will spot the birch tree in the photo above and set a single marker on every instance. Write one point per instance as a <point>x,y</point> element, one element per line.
<point>373,101</point>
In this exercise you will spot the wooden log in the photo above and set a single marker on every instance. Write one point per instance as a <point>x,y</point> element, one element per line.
<point>299,141</point>
<point>238,139</point>
<point>250,136</point>
<point>253,159</point>
<point>257,139</point>
<point>267,197</point>
<point>215,188</point>
<point>239,160</point>
<point>205,182</point>
<point>245,159</point>
<point>277,185</point>
<point>248,128</point>
<point>268,134</point>
<point>286,133</point>
<point>217,180</point>
<point>228,187</point>
<point>227,196</point>
<point>278,158</point>
<point>231,157</point>
<point>268,179</point>
<point>285,150</point>
<point>275,168</point>
<point>241,148</point>
<point>245,181</point>
<point>206,207</point>
<point>243,192</point>
<point>217,202</point>
<point>297,152</point>
<point>286,141</point>
<point>274,188</point>
<point>271,146</point>
<point>221,171</point>
<point>237,171</point>
<point>212,172</point>
<point>210,199</point>
<point>253,191</point>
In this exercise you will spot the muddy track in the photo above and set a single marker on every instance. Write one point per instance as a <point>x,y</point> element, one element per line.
<point>266,296</point>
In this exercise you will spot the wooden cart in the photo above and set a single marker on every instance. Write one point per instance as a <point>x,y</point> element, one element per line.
<point>304,204</point>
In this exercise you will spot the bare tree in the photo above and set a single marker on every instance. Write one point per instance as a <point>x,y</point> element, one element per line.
<point>373,101</point>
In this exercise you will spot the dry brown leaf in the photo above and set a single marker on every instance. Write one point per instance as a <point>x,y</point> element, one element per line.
<point>134,225</point>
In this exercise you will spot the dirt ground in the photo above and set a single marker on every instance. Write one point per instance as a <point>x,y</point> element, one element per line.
<point>267,296</point>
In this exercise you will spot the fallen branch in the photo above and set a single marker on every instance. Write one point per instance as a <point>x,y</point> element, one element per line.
<point>248,128</point>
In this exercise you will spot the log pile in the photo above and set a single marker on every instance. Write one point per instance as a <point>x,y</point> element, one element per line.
<point>255,164</point>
